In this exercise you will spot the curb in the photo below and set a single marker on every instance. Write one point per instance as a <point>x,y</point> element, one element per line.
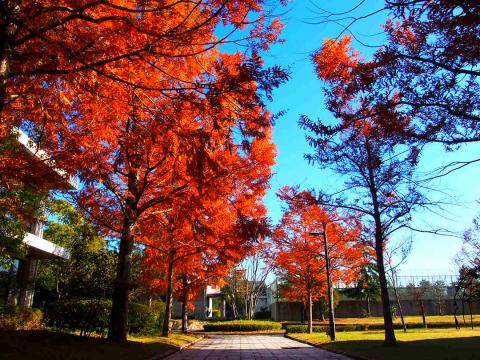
<point>351,356</point>
<point>187,345</point>
<point>177,349</point>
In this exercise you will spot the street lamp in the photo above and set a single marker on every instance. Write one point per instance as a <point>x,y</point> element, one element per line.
<point>331,316</point>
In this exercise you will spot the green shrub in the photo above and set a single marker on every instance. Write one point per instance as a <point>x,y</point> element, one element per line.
<point>295,329</point>
<point>13,317</point>
<point>89,316</point>
<point>263,314</point>
<point>287,323</point>
<point>242,325</point>
<point>216,313</point>
<point>145,320</point>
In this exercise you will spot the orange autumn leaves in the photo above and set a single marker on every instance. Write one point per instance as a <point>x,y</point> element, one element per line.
<point>300,255</point>
<point>168,132</point>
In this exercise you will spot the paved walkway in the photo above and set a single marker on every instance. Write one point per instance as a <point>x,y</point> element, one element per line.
<point>253,347</point>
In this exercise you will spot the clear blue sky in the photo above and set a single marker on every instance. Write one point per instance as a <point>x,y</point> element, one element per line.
<point>303,95</point>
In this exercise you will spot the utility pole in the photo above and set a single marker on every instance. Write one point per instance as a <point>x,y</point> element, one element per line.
<point>331,314</point>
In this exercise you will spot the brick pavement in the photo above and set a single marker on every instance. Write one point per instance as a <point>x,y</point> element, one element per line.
<point>253,347</point>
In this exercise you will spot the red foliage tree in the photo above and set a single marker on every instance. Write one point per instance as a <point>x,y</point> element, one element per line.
<point>426,72</point>
<point>136,97</point>
<point>211,226</point>
<point>300,254</point>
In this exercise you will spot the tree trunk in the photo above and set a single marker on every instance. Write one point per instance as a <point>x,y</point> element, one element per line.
<point>399,305</point>
<point>168,301</point>
<point>331,314</point>
<point>234,310</point>
<point>118,327</point>
<point>184,305</point>
<point>302,320</point>
<point>471,314</point>
<point>422,308</point>
<point>455,311</point>
<point>387,312</point>
<point>310,312</point>
<point>369,311</point>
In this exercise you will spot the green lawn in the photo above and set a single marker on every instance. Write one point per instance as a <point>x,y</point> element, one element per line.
<point>408,320</point>
<point>44,345</point>
<point>418,344</point>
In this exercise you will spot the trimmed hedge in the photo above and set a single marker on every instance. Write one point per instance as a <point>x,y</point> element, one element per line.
<point>264,314</point>
<point>242,325</point>
<point>93,316</point>
<point>302,328</point>
<point>13,317</point>
<point>295,329</point>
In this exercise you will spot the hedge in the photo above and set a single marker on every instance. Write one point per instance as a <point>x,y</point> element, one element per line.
<point>13,317</point>
<point>264,314</point>
<point>292,329</point>
<point>93,316</point>
<point>301,328</point>
<point>242,325</point>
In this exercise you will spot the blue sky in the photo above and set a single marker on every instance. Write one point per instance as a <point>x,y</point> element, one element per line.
<point>303,95</point>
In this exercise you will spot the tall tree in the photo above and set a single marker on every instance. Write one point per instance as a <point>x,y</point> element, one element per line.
<point>89,272</point>
<point>301,256</point>
<point>366,286</point>
<point>428,70</point>
<point>138,144</point>
<point>217,220</point>
<point>256,268</point>
<point>378,169</point>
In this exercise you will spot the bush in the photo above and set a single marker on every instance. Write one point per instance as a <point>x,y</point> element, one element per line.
<point>287,323</point>
<point>242,325</point>
<point>13,317</point>
<point>93,315</point>
<point>146,320</point>
<point>216,313</point>
<point>263,314</point>
<point>295,329</point>
<point>88,316</point>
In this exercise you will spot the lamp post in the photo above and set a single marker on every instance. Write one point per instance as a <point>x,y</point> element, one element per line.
<point>331,315</point>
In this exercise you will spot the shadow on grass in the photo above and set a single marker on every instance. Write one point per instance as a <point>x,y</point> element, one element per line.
<point>463,348</point>
<point>43,345</point>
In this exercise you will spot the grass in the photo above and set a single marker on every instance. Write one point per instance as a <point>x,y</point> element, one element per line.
<point>43,345</point>
<point>408,320</point>
<point>424,344</point>
<point>376,323</point>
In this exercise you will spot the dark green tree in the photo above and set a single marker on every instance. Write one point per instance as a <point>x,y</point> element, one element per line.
<point>90,271</point>
<point>367,286</point>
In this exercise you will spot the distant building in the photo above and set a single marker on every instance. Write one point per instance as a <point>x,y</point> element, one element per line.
<point>22,286</point>
<point>212,298</point>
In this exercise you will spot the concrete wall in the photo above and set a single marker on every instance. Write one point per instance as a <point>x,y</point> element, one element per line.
<point>287,311</point>
<point>293,311</point>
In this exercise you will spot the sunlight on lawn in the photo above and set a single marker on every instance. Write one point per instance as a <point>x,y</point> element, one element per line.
<point>408,319</point>
<point>424,344</point>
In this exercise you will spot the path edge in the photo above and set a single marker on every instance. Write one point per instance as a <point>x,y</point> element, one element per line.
<point>351,356</point>
<point>177,349</point>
